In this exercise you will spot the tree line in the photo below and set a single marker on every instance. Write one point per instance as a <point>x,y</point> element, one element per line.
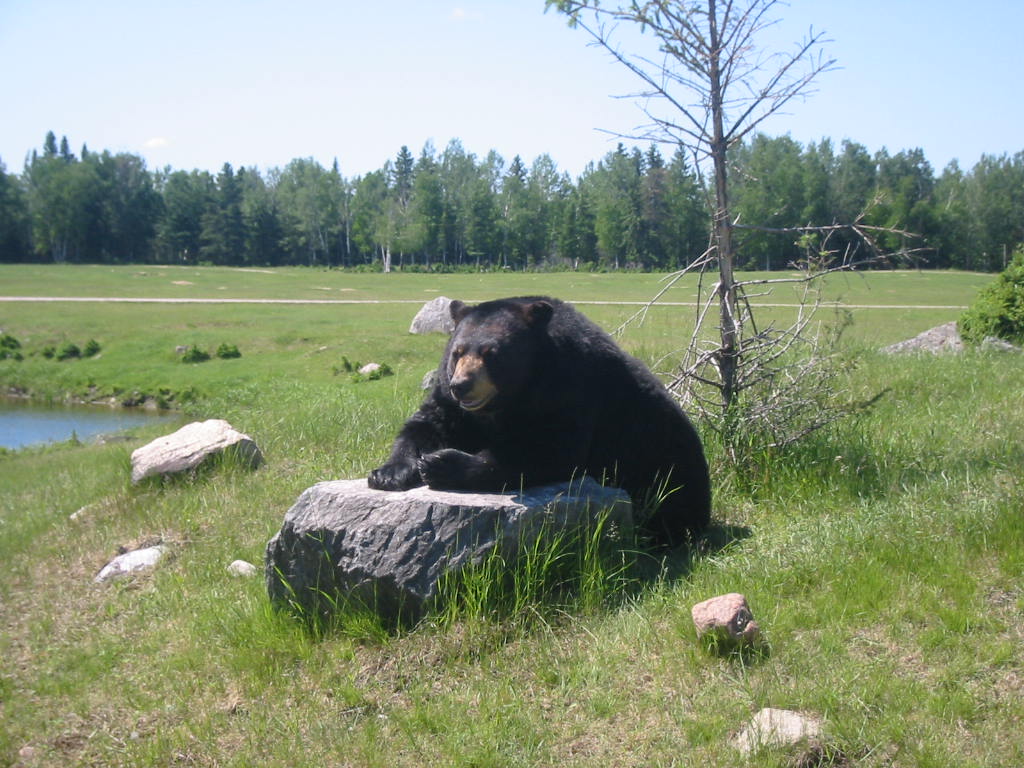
<point>450,209</point>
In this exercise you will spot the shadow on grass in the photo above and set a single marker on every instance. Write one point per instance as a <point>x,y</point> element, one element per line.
<point>676,564</point>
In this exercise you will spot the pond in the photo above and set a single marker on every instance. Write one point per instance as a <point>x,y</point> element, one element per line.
<point>23,423</point>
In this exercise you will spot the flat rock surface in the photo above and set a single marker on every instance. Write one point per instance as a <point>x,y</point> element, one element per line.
<point>388,549</point>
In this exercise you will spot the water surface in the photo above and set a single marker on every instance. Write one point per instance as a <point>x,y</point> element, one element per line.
<point>23,423</point>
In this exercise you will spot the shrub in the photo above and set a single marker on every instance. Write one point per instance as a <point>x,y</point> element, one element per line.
<point>10,347</point>
<point>49,352</point>
<point>92,347</point>
<point>228,351</point>
<point>195,355</point>
<point>999,309</point>
<point>69,351</point>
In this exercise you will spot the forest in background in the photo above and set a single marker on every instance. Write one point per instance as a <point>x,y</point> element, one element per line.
<point>450,209</point>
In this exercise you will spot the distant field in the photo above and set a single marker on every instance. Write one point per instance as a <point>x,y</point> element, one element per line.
<point>283,341</point>
<point>178,282</point>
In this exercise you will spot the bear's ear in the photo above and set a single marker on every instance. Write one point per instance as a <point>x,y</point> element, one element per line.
<point>539,314</point>
<point>458,310</point>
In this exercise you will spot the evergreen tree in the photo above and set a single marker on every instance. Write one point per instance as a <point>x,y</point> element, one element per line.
<point>15,242</point>
<point>131,207</point>
<point>687,235</point>
<point>222,237</point>
<point>186,197</point>
<point>427,208</point>
<point>261,220</point>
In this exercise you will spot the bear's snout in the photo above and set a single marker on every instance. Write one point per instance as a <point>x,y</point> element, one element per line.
<point>470,384</point>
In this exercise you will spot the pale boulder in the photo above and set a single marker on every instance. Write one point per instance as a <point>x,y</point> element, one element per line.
<point>190,446</point>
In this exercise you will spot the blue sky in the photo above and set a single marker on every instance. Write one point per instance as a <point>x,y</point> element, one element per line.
<point>258,83</point>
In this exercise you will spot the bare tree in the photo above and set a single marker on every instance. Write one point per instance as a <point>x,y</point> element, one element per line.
<point>705,86</point>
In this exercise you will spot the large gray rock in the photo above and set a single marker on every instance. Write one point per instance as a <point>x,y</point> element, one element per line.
<point>940,339</point>
<point>434,317</point>
<point>190,446</point>
<point>387,550</point>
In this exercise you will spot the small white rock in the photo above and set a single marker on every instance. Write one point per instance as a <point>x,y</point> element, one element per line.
<point>369,368</point>
<point>242,568</point>
<point>131,562</point>
<point>80,513</point>
<point>776,727</point>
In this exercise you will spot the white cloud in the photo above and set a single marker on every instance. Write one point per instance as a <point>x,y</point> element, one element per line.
<point>461,14</point>
<point>157,142</point>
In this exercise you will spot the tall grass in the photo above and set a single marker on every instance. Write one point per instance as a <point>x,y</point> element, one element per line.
<point>882,558</point>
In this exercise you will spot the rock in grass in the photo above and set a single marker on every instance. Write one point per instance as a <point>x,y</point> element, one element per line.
<point>190,446</point>
<point>434,317</point>
<point>131,562</point>
<point>995,344</point>
<point>726,622</point>
<point>242,569</point>
<point>940,339</point>
<point>387,551</point>
<point>776,728</point>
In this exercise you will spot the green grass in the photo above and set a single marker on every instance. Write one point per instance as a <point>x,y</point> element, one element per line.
<point>884,560</point>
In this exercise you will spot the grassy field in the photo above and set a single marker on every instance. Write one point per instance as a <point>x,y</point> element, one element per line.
<point>884,558</point>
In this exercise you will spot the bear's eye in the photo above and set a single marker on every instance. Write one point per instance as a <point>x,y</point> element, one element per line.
<point>458,352</point>
<point>488,351</point>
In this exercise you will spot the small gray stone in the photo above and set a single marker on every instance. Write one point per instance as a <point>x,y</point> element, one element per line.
<point>131,562</point>
<point>776,728</point>
<point>434,317</point>
<point>995,344</point>
<point>388,550</point>
<point>369,368</point>
<point>80,513</point>
<point>190,446</point>
<point>242,568</point>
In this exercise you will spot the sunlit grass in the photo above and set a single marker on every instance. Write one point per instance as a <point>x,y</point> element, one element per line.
<point>884,560</point>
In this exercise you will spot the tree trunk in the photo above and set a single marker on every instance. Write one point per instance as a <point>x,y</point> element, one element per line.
<point>728,350</point>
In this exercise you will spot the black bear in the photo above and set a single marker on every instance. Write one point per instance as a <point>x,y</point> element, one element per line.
<point>530,391</point>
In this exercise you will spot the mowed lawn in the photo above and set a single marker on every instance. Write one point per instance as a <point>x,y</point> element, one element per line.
<point>884,558</point>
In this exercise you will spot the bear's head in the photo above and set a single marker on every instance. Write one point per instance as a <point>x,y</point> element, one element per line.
<point>491,354</point>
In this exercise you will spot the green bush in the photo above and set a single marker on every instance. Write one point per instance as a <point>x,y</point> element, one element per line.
<point>92,347</point>
<point>69,351</point>
<point>228,351</point>
<point>195,355</point>
<point>999,309</point>
<point>10,347</point>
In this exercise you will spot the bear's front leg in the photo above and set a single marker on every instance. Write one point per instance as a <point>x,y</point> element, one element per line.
<point>397,475</point>
<point>453,470</point>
